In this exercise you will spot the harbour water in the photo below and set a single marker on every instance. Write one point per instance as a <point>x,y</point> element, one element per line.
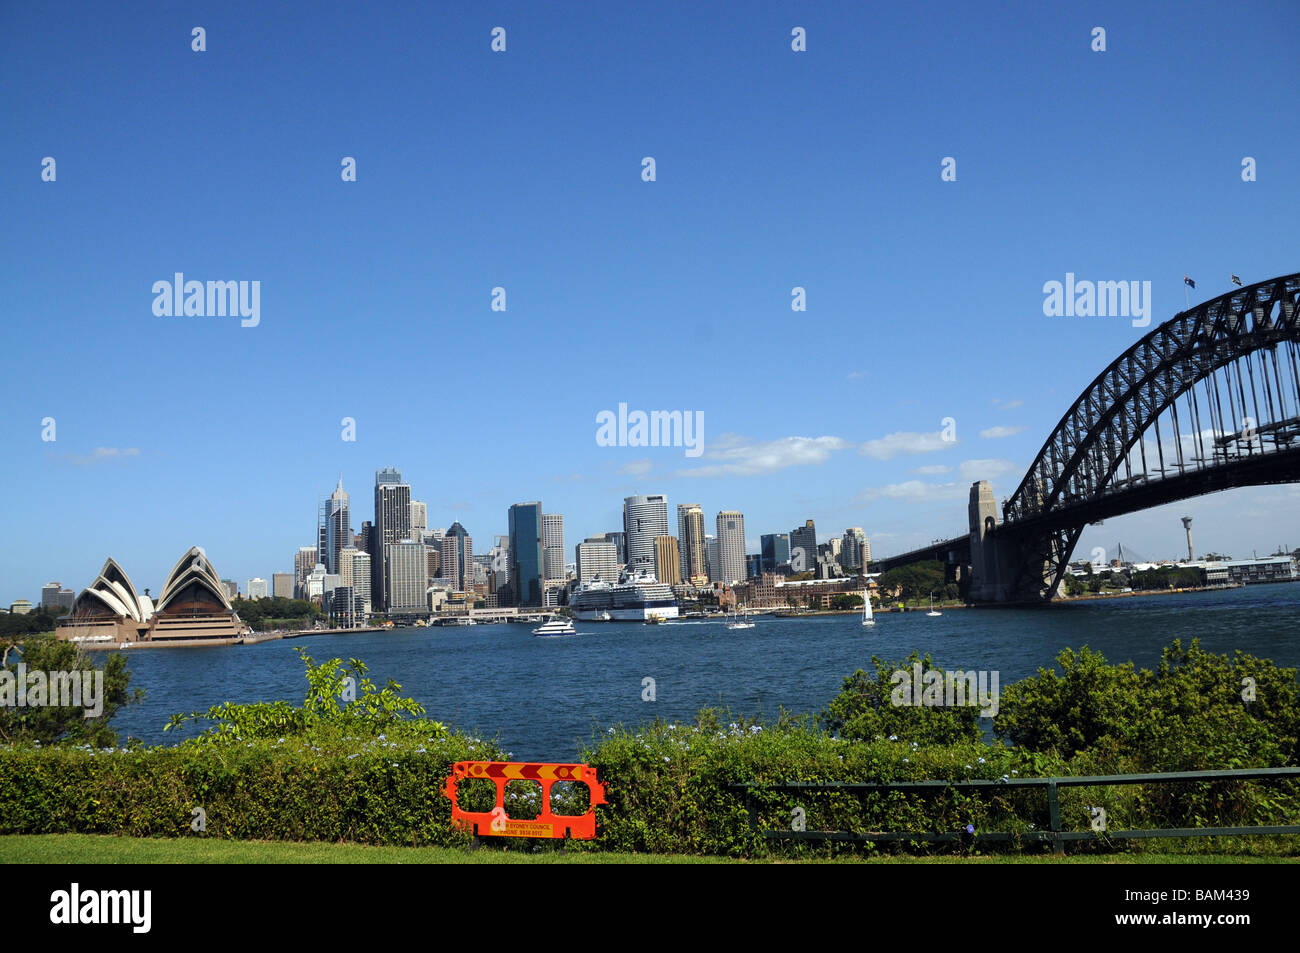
<point>541,698</point>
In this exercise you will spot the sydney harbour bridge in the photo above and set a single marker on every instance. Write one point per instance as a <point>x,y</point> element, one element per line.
<point>1207,401</point>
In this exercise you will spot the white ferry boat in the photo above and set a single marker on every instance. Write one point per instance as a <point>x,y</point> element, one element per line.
<point>637,597</point>
<point>556,627</point>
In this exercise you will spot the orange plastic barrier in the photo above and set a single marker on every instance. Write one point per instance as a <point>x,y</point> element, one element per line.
<point>496,824</point>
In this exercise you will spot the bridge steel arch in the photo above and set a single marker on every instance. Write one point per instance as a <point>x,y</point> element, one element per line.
<point>1073,479</point>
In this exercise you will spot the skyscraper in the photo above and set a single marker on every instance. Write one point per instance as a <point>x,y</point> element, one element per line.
<point>690,543</point>
<point>668,565</point>
<point>644,518</point>
<point>361,579</point>
<point>596,556</point>
<point>714,558</point>
<point>803,547</point>
<point>337,531</point>
<point>303,563</point>
<point>731,546</point>
<point>282,585</point>
<point>406,581</point>
<point>853,549</point>
<point>457,562</point>
<point>527,553</point>
<point>553,547</point>
<point>619,540</point>
<point>256,588</point>
<point>392,525</point>
<point>774,551</point>
<point>419,519</point>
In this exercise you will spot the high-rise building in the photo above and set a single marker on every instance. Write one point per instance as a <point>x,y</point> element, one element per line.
<point>526,553</point>
<point>731,546</point>
<point>803,547</point>
<point>552,546</point>
<point>774,551</point>
<point>753,565</point>
<point>365,536</point>
<point>282,585</point>
<point>690,543</point>
<point>361,580</point>
<point>406,583</point>
<point>54,596</point>
<point>303,563</point>
<point>419,519</point>
<point>337,531</point>
<point>257,588</point>
<point>668,560</point>
<point>644,518</point>
<point>597,556</point>
<point>346,565</point>
<point>853,548</point>
<point>392,525</point>
<point>231,587</point>
<point>457,562</point>
<point>620,546</point>
<point>713,558</point>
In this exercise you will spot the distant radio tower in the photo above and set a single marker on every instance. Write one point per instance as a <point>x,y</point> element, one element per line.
<point>1187,525</point>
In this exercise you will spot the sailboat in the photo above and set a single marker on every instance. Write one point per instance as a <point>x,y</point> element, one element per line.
<point>932,611</point>
<point>739,622</point>
<point>868,618</point>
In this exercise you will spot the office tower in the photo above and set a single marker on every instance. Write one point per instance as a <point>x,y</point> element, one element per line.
<point>392,525</point>
<point>731,546</point>
<point>620,546</point>
<point>231,587</point>
<point>361,580</point>
<point>668,560</point>
<point>774,551</point>
<point>803,547</point>
<point>256,588</point>
<point>690,543</point>
<point>365,536</point>
<point>346,564</point>
<point>336,528</point>
<point>433,560</point>
<point>282,585</point>
<point>597,556</point>
<point>54,596</point>
<point>713,558</point>
<point>866,553</point>
<point>406,582</point>
<point>753,565</point>
<point>457,561</point>
<point>526,554</point>
<point>419,519</point>
<point>852,549</point>
<point>303,563</point>
<point>553,546</point>
<point>644,518</point>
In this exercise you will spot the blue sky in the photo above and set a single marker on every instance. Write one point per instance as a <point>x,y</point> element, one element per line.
<point>522,170</point>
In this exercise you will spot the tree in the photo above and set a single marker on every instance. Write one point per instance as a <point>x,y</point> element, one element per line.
<point>48,724</point>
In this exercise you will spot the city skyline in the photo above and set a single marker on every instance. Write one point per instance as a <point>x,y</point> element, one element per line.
<point>924,297</point>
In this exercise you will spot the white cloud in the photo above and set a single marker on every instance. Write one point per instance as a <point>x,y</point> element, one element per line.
<point>992,433</point>
<point>916,491</point>
<point>740,456</point>
<point>636,468</point>
<point>986,469</point>
<point>104,454</point>
<point>854,375</point>
<point>898,444</point>
<point>1009,404</point>
<point>933,470</point>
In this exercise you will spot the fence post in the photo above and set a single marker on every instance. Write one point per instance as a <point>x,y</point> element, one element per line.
<point>1054,817</point>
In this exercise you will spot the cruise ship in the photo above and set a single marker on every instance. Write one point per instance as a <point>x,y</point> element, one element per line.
<point>637,597</point>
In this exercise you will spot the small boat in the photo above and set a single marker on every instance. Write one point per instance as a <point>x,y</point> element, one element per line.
<point>604,616</point>
<point>868,617</point>
<point>932,611</point>
<point>740,622</point>
<point>556,627</point>
<point>653,619</point>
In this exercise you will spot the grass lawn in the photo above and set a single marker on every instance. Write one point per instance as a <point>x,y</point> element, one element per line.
<point>104,849</point>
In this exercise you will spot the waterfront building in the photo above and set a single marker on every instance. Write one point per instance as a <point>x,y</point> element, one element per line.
<point>361,576</point>
<point>257,588</point>
<point>338,527</point>
<point>347,565</point>
<point>282,585</point>
<point>392,525</point>
<point>668,566</point>
<point>303,563</point>
<point>457,561</point>
<point>54,596</point>
<point>690,542</point>
<point>714,558</point>
<point>553,548</point>
<point>619,539</point>
<point>803,547</point>
<point>407,571</point>
<point>20,607</point>
<point>526,553</point>
<point>644,518</point>
<point>774,551</point>
<point>731,546</point>
<point>597,556</point>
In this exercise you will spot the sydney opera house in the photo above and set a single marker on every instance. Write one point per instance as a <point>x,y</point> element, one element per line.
<point>192,608</point>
